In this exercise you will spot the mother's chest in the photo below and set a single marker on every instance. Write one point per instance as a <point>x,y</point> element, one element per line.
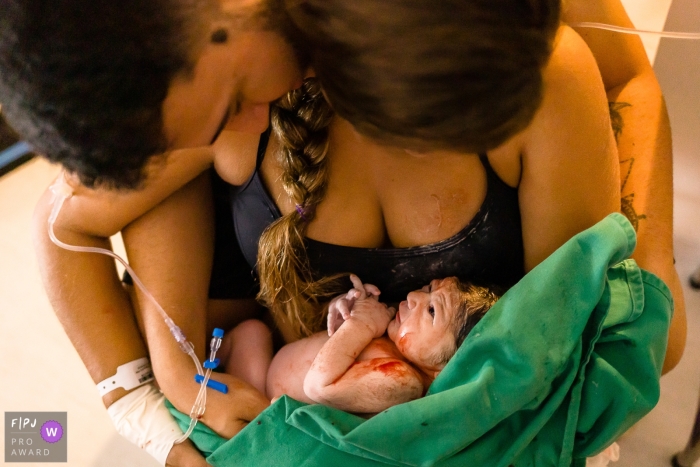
<point>400,204</point>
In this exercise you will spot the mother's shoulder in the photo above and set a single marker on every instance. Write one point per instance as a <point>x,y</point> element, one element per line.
<point>570,59</point>
<point>574,101</point>
<point>571,80</point>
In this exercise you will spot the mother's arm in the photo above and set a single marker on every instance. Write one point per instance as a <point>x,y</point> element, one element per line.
<point>171,248</point>
<point>570,176</point>
<point>84,289</point>
<point>644,143</point>
<point>93,307</point>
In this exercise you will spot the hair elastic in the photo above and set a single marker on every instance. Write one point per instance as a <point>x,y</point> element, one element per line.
<point>303,212</point>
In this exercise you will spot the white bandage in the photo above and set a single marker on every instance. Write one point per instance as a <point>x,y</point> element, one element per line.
<point>129,376</point>
<point>142,418</point>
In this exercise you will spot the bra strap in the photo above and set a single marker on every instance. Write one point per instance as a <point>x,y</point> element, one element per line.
<point>262,147</point>
<point>487,165</point>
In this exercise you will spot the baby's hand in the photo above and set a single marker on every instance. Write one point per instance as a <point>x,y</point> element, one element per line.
<point>375,315</point>
<point>340,307</point>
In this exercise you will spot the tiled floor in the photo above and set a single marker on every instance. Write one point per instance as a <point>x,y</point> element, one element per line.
<point>39,370</point>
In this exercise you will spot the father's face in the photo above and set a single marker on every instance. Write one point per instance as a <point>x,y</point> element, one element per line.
<point>234,79</point>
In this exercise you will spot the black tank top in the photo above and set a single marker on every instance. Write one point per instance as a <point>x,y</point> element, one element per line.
<point>487,251</point>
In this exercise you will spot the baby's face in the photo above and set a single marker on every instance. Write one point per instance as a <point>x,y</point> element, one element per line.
<point>422,327</point>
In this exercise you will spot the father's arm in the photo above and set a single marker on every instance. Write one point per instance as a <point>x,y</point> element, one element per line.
<point>641,125</point>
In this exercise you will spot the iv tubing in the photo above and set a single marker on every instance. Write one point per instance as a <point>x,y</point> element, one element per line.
<point>624,30</point>
<point>201,401</point>
<point>62,192</point>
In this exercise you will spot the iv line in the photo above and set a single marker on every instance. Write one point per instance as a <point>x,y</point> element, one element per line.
<point>62,191</point>
<point>624,30</point>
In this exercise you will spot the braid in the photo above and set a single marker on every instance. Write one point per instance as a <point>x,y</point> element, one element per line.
<point>300,120</point>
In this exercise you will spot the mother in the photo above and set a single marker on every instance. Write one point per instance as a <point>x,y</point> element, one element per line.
<point>481,153</point>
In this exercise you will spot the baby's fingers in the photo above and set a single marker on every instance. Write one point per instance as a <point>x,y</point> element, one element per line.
<point>358,285</point>
<point>344,308</point>
<point>372,289</point>
<point>334,322</point>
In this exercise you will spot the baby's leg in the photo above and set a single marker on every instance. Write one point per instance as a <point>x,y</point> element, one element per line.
<point>290,365</point>
<point>246,352</point>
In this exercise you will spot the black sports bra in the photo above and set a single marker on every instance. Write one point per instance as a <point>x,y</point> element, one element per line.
<point>488,251</point>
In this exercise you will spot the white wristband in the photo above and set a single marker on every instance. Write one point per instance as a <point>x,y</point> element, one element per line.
<point>142,418</point>
<point>129,376</point>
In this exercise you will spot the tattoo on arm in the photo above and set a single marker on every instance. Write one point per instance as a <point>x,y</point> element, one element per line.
<point>616,117</point>
<point>627,200</point>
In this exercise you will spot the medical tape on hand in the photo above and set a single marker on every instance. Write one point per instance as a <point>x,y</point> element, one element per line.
<point>142,418</point>
<point>129,376</point>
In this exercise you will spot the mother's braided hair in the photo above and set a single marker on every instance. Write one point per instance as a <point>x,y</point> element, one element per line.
<point>300,120</point>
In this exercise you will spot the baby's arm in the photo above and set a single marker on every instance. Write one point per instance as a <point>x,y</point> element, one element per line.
<point>337,379</point>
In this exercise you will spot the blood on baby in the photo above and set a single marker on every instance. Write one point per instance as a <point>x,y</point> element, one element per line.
<point>392,368</point>
<point>387,366</point>
<point>402,344</point>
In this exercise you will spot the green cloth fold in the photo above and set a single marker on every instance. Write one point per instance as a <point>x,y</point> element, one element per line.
<point>567,360</point>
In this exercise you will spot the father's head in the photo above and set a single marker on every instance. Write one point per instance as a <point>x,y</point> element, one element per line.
<point>101,86</point>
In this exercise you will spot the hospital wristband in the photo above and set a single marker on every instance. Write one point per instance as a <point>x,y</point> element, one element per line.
<point>142,418</point>
<point>129,376</point>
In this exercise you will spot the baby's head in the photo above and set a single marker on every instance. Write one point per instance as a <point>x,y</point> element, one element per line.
<point>432,323</point>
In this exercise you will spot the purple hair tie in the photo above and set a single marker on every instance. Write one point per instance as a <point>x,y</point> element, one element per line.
<point>302,212</point>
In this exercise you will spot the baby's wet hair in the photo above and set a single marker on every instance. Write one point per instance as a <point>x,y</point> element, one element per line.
<point>474,302</point>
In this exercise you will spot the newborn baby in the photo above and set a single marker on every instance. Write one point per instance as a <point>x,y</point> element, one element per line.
<point>372,357</point>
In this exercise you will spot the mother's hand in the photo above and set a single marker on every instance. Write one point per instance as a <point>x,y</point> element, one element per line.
<point>185,455</point>
<point>227,414</point>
